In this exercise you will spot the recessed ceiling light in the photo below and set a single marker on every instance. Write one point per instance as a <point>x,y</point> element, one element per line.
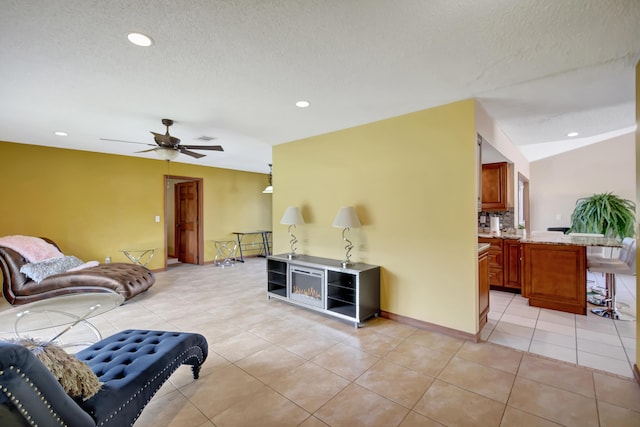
<point>571,134</point>
<point>61,133</point>
<point>140,39</point>
<point>302,104</point>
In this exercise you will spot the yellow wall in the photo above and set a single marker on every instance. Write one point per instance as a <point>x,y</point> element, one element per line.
<point>412,180</point>
<point>95,204</point>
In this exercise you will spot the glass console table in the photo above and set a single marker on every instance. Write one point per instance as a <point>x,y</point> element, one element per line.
<point>54,318</point>
<point>225,253</point>
<point>139,256</point>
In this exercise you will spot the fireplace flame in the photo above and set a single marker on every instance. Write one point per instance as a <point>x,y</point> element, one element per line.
<point>309,292</point>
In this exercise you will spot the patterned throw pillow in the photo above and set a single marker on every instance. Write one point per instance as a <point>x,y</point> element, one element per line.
<point>38,271</point>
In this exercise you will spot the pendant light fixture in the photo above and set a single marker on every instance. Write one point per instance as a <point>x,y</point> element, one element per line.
<point>269,188</point>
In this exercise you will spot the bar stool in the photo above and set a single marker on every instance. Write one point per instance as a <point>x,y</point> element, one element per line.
<point>225,253</point>
<point>597,294</point>
<point>624,264</point>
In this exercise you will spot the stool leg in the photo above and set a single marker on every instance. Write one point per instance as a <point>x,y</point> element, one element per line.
<point>600,296</point>
<point>610,284</point>
<point>612,310</point>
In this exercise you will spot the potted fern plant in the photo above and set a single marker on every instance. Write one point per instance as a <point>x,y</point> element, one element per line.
<point>604,213</point>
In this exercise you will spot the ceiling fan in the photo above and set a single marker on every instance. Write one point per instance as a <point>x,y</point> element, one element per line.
<point>169,147</point>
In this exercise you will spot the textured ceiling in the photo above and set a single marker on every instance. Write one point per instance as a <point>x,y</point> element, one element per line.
<point>234,69</point>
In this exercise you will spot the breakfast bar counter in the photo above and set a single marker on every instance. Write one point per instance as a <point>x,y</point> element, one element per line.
<point>554,272</point>
<point>557,239</point>
<point>568,240</point>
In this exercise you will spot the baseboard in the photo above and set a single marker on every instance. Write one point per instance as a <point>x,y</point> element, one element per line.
<point>420,324</point>
<point>636,372</point>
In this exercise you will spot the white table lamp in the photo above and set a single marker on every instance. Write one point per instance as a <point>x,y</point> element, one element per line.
<point>346,219</point>
<point>292,217</point>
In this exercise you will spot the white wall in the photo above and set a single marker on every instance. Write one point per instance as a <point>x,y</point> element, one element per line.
<point>493,135</point>
<point>558,181</point>
<point>490,131</point>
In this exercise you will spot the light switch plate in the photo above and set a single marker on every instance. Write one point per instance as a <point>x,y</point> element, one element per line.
<point>157,218</point>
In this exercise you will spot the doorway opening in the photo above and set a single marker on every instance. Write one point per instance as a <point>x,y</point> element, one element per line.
<point>523,201</point>
<point>183,212</point>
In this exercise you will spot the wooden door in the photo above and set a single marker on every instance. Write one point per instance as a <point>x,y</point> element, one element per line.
<point>186,202</point>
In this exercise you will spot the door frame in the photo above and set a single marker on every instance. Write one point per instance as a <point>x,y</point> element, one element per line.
<point>200,204</point>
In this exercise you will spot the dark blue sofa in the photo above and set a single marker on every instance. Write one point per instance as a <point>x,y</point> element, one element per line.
<point>132,364</point>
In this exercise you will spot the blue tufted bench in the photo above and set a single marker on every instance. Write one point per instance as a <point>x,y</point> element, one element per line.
<point>132,364</point>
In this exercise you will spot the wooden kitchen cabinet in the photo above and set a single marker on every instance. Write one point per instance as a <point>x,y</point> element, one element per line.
<point>554,276</point>
<point>512,263</point>
<point>495,259</point>
<point>504,263</point>
<point>497,187</point>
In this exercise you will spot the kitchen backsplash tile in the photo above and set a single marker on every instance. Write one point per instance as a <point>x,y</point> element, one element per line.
<point>507,219</point>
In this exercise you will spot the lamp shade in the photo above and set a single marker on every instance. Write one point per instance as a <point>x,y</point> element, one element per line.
<point>292,216</point>
<point>346,218</point>
<point>167,153</point>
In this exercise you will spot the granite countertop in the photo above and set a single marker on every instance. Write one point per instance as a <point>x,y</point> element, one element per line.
<point>552,238</point>
<point>501,236</point>
<point>563,239</point>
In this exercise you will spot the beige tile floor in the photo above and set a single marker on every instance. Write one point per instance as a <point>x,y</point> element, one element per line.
<point>273,364</point>
<point>591,340</point>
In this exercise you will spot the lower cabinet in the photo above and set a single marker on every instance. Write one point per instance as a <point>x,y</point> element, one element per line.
<point>512,263</point>
<point>504,263</point>
<point>554,276</point>
<point>496,260</point>
<point>323,285</point>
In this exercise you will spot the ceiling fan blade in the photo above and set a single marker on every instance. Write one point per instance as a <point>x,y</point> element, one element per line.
<point>146,151</point>
<point>204,147</point>
<point>121,140</point>
<point>193,154</point>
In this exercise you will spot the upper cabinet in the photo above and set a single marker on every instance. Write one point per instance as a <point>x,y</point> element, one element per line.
<point>497,187</point>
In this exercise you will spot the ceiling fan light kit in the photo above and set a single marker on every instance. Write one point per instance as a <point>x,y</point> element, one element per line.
<point>167,153</point>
